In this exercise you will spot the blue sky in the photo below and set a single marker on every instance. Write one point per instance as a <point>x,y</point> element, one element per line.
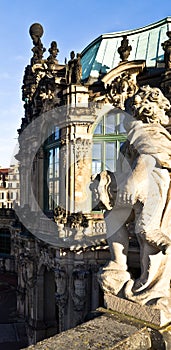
<point>73,24</point>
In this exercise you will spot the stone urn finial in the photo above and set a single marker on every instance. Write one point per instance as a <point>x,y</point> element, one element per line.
<point>36,32</point>
<point>125,49</point>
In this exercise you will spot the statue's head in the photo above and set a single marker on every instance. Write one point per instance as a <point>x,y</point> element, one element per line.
<point>151,106</point>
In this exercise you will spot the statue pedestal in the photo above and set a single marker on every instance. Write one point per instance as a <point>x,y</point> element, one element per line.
<point>148,314</point>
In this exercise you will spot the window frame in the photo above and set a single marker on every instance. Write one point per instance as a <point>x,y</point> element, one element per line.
<point>52,143</point>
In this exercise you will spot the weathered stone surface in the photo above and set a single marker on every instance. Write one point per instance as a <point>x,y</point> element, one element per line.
<point>148,314</point>
<point>107,331</point>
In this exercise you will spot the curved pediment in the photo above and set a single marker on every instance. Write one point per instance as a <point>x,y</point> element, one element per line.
<point>132,67</point>
<point>121,82</point>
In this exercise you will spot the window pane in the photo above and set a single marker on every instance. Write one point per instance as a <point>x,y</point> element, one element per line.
<point>56,162</point>
<point>51,156</point>
<point>56,134</point>
<point>53,178</point>
<point>120,126</point>
<point>110,165</point>
<point>110,124</point>
<point>97,158</point>
<point>96,166</point>
<point>50,187</point>
<point>98,129</point>
<point>110,150</point>
<point>50,170</point>
<point>56,187</point>
<point>110,161</point>
<point>97,151</point>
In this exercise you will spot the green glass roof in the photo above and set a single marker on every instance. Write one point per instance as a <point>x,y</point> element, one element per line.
<point>101,55</point>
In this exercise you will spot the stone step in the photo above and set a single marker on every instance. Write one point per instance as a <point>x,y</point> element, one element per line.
<point>105,331</point>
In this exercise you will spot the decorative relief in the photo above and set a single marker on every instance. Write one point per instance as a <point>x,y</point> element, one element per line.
<point>46,258</point>
<point>121,88</point>
<point>79,288</point>
<point>100,227</point>
<point>61,285</point>
<point>28,270</point>
<point>73,220</point>
<point>82,148</point>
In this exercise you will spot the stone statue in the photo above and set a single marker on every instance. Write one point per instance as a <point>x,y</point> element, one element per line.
<point>71,64</point>
<point>139,194</point>
<point>51,60</point>
<point>167,51</point>
<point>78,69</point>
<point>74,73</point>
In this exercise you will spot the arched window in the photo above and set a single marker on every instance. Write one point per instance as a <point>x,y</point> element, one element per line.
<point>109,135</point>
<point>52,146</point>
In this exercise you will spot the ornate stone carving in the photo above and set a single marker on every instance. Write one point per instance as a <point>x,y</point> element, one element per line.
<point>36,32</point>
<point>61,285</point>
<point>61,293</point>
<point>28,270</point>
<point>139,192</point>
<point>29,84</point>
<point>167,51</point>
<point>46,259</point>
<point>73,220</point>
<point>121,88</point>
<point>125,49</point>
<point>81,148</point>
<point>60,215</point>
<point>79,288</point>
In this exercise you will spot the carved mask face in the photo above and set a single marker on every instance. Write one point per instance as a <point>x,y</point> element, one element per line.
<point>79,286</point>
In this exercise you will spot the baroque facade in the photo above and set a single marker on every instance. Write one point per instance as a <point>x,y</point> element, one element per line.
<point>72,129</point>
<point>9,186</point>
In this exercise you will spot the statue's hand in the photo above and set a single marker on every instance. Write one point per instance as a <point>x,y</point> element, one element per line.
<point>126,191</point>
<point>125,198</point>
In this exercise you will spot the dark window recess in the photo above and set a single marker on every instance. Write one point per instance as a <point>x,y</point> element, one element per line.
<point>5,242</point>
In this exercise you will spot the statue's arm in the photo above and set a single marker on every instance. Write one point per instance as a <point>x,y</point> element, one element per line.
<point>134,184</point>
